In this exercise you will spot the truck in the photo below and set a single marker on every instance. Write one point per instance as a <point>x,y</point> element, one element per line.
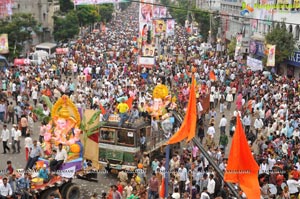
<point>120,147</point>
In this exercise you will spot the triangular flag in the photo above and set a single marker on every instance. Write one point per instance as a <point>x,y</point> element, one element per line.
<point>103,111</point>
<point>188,127</point>
<point>242,167</point>
<point>129,102</point>
<point>162,189</point>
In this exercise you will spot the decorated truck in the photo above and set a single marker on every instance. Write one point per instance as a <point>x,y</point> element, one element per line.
<point>120,148</point>
<point>64,127</point>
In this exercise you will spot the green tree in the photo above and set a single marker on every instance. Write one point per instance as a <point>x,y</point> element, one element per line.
<point>66,5</point>
<point>65,27</point>
<point>203,19</point>
<point>180,14</point>
<point>87,14</point>
<point>19,30</point>
<point>125,5</point>
<point>284,42</point>
<point>231,47</point>
<point>105,11</point>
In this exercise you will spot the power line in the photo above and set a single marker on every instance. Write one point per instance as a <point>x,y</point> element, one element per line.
<point>216,13</point>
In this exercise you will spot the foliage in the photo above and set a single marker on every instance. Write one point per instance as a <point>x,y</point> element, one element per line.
<point>39,111</point>
<point>180,15</point>
<point>66,5</point>
<point>231,47</point>
<point>87,14</point>
<point>284,42</point>
<point>65,27</point>
<point>203,19</point>
<point>105,12</point>
<point>19,30</point>
<point>125,5</point>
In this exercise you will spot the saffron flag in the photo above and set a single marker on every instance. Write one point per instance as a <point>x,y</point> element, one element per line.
<point>129,102</point>
<point>188,127</point>
<point>162,189</point>
<point>212,76</point>
<point>242,168</point>
<point>103,111</point>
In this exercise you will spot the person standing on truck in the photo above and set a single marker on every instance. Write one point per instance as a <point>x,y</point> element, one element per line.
<point>123,109</point>
<point>143,143</point>
<point>34,153</point>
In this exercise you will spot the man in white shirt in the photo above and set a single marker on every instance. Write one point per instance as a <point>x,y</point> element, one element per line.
<point>229,100</point>
<point>16,134</point>
<point>222,124</point>
<point>5,189</point>
<point>211,130</point>
<point>5,138</point>
<point>293,186</point>
<point>204,194</point>
<point>258,125</point>
<point>183,177</point>
<point>60,158</point>
<point>247,123</point>
<point>211,185</point>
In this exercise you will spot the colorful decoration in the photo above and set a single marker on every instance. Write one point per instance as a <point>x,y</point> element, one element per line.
<point>64,128</point>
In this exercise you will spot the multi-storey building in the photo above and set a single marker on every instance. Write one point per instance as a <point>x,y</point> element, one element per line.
<point>42,10</point>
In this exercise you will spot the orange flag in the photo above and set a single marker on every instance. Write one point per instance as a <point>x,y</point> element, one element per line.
<point>103,111</point>
<point>162,189</point>
<point>129,102</point>
<point>242,168</point>
<point>188,127</point>
<point>212,76</point>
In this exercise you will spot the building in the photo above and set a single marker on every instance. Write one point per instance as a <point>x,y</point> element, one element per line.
<point>43,11</point>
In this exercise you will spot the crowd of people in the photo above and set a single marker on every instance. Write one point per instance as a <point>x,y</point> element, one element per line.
<point>102,66</point>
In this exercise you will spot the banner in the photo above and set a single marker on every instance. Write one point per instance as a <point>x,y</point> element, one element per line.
<point>4,44</point>
<point>238,46</point>
<point>5,8</point>
<point>160,26</point>
<point>62,51</point>
<point>96,2</point>
<point>146,11</point>
<point>21,62</point>
<point>271,55</point>
<point>170,27</point>
<point>148,51</point>
<point>254,64</point>
<point>146,61</point>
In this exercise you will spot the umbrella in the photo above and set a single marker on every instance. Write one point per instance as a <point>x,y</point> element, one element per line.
<point>123,98</point>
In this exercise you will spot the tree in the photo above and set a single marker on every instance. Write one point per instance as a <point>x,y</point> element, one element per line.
<point>105,11</point>
<point>231,47</point>
<point>203,19</point>
<point>87,15</point>
<point>19,29</point>
<point>66,5</point>
<point>283,40</point>
<point>66,27</point>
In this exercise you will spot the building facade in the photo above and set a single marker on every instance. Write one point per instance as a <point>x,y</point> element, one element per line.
<point>43,11</point>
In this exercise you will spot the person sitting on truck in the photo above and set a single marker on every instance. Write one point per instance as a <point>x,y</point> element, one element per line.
<point>43,173</point>
<point>134,114</point>
<point>60,158</point>
<point>23,184</point>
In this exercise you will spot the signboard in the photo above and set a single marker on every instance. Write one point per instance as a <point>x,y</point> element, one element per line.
<point>148,61</point>
<point>62,51</point>
<point>6,8</point>
<point>114,118</point>
<point>4,44</point>
<point>254,64</point>
<point>21,62</point>
<point>271,55</point>
<point>294,59</point>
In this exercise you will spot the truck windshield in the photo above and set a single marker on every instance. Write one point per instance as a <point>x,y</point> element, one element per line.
<point>125,137</point>
<point>107,135</point>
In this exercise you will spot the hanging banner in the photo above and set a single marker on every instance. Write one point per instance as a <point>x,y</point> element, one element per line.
<point>146,11</point>
<point>238,46</point>
<point>96,2</point>
<point>271,55</point>
<point>148,51</point>
<point>4,44</point>
<point>159,12</point>
<point>160,26</point>
<point>170,27</point>
<point>254,64</point>
<point>146,61</point>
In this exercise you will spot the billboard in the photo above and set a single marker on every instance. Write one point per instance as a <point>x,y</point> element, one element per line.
<point>170,29</point>
<point>160,26</point>
<point>4,44</point>
<point>5,8</point>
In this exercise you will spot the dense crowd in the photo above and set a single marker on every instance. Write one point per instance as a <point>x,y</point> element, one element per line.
<point>102,67</point>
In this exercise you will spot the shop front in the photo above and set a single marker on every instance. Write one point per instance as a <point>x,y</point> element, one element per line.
<point>291,67</point>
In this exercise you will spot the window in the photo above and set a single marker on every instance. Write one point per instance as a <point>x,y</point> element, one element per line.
<point>107,135</point>
<point>125,137</point>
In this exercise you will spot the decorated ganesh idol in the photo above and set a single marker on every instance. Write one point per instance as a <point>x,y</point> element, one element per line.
<point>64,128</point>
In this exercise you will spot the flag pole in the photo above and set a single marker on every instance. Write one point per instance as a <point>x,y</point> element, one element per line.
<point>167,171</point>
<point>216,167</point>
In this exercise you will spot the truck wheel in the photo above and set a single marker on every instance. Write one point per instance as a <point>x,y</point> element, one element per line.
<point>72,192</point>
<point>64,188</point>
<point>46,194</point>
